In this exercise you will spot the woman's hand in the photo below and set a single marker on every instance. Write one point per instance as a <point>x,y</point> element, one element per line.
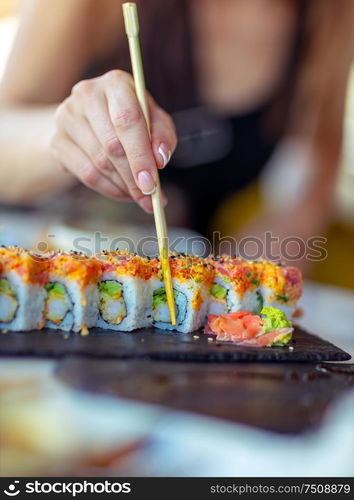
<point>102,138</point>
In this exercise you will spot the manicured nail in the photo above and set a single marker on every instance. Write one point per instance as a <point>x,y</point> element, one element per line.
<point>146,182</point>
<point>165,154</point>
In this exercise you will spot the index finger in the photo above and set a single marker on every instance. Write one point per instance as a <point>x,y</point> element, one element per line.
<point>129,123</point>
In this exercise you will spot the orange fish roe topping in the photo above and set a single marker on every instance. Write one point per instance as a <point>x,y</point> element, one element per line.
<point>272,276</point>
<point>187,267</point>
<point>75,266</point>
<point>243,274</point>
<point>285,281</point>
<point>124,263</point>
<point>197,300</point>
<point>31,267</point>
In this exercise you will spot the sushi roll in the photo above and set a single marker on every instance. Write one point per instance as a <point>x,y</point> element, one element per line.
<point>123,291</point>
<point>280,286</point>
<point>71,292</point>
<point>192,278</point>
<point>242,285</point>
<point>236,286</point>
<point>22,296</point>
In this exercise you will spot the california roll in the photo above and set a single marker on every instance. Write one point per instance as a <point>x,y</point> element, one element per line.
<point>71,292</point>
<point>192,278</point>
<point>123,291</point>
<point>22,296</point>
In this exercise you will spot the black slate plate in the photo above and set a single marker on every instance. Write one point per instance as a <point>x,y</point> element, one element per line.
<point>282,397</point>
<point>157,344</point>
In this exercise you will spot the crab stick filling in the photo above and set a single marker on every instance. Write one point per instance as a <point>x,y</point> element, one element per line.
<point>57,303</point>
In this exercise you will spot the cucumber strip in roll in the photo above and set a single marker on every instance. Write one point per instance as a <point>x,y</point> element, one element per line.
<point>111,301</point>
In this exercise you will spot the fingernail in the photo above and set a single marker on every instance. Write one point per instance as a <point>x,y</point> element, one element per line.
<point>145,204</point>
<point>165,154</point>
<point>146,182</point>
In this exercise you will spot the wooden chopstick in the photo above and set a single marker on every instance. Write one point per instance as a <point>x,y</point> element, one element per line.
<point>131,22</point>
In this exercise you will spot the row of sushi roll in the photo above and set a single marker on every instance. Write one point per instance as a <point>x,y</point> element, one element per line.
<point>121,291</point>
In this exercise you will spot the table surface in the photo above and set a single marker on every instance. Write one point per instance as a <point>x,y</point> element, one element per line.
<point>162,345</point>
<point>212,439</point>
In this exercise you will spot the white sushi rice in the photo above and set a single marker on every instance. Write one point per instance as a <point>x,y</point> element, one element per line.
<point>219,306</point>
<point>136,294</point>
<point>191,319</point>
<point>30,298</point>
<point>251,301</point>
<point>233,301</point>
<point>84,306</point>
<point>270,299</point>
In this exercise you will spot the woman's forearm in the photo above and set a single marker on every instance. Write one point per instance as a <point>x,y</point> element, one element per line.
<point>27,172</point>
